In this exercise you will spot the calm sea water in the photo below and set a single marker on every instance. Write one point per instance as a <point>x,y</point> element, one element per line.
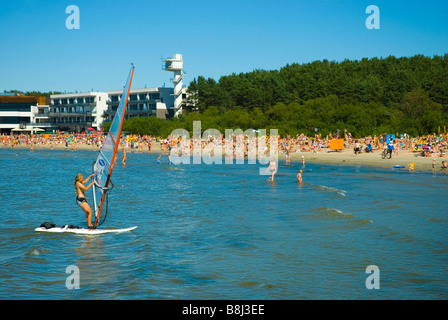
<point>223,231</point>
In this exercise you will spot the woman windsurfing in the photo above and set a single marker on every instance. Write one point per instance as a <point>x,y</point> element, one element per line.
<point>81,197</point>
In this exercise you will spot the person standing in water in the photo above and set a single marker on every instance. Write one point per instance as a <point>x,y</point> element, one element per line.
<point>444,166</point>
<point>287,154</point>
<point>81,198</point>
<point>123,158</point>
<point>299,176</point>
<point>273,169</point>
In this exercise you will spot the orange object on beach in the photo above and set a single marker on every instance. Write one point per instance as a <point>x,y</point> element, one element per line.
<point>337,144</point>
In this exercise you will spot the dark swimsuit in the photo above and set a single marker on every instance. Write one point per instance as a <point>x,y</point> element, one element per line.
<point>80,200</point>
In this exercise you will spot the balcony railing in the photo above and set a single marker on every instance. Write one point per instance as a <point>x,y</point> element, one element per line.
<point>41,125</point>
<point>71,114</point>
<point>87,104</point>
<point>84,122</point>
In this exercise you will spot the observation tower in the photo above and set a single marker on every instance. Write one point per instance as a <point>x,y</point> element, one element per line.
<point>176,65</point>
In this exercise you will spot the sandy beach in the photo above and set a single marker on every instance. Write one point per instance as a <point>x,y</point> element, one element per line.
<point>404,158</point>
<point>344,157</point>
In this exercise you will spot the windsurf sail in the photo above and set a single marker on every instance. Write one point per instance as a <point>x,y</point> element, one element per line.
<point>104,164</point>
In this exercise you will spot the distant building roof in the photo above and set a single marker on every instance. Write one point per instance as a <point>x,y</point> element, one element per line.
<point>24,99</point>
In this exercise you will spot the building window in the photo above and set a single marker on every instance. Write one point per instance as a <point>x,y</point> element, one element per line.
<point>15,120</point>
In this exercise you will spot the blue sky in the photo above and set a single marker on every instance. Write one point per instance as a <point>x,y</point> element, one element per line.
<point>216,38</point>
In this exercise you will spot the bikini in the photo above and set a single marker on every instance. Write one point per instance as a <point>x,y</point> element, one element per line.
<point>80,200</point>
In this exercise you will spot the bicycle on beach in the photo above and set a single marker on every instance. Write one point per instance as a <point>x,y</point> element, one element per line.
<point>387,153</point>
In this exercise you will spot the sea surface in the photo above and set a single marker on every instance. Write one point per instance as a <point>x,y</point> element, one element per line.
<point>223,231</point>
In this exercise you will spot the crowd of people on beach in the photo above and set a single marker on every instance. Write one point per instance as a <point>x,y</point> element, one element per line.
<point>73,141</point>
<point>426,146</point>
<point>434,145</point>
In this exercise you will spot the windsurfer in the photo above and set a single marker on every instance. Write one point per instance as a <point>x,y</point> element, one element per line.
<point>81,198</point>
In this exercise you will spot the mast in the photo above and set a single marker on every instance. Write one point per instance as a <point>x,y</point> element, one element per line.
<point>108,153</point>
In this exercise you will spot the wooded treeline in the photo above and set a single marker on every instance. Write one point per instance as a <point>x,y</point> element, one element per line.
<point>33,93</point>
<point>366,97</point>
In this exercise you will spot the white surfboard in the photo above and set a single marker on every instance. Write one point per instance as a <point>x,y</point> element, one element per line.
<point>82,230</point>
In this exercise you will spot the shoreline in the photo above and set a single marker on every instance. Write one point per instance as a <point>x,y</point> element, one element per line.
<point>347,157</point>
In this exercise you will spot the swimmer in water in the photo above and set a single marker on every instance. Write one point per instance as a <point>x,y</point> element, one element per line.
<point>158,159</point>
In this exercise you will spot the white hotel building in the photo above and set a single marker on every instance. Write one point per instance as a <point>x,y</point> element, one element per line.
<point>23,113</point>
<point>77,111</point>
<point>145,102</point>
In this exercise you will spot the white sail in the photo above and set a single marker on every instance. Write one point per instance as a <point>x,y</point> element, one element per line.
<point>103,165</point>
